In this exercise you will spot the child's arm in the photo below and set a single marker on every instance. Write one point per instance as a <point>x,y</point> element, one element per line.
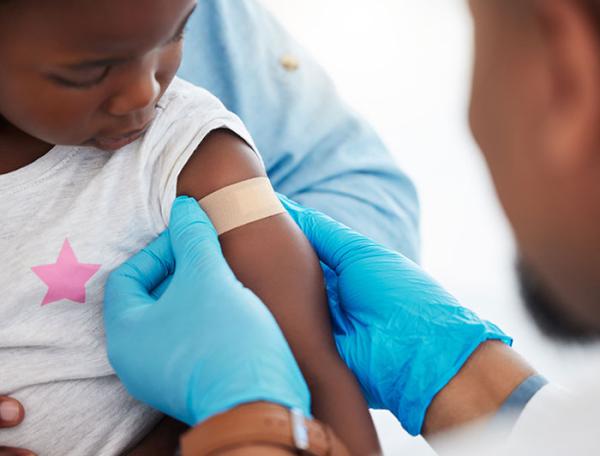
<point>273,259</point>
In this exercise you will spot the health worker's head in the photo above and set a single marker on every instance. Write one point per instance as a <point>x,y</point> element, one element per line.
<point>87,71</point>
<point>535,112</point>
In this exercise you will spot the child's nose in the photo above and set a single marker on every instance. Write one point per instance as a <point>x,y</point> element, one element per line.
<point>139,93</point>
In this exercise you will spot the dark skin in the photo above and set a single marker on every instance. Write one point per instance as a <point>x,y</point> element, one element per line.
<point>12,414</point>
<point>483,384</point>
<point>90,82</point>
<point>541,140</point>
<point>68,85</point>
<point>90,72</point>
<point>273,258</point>
<point>70,101</point>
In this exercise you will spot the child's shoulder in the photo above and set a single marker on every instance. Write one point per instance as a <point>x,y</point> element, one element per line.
<point>183,99</point>
<point>184,113</point>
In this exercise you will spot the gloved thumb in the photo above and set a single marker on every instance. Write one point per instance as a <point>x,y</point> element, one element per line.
<point>130,284</point>
<point>336,245</point>
<point>194,240</point>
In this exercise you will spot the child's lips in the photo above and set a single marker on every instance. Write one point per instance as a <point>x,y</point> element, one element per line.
<point>112,144</point>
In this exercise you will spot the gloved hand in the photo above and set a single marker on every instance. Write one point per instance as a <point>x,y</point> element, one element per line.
<point>401,333</point>
<point>200,343</point>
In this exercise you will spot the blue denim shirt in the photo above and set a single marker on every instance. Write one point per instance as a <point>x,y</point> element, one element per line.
<point>317,151</point>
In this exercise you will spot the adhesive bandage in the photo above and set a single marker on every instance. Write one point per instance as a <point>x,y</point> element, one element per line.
<point>242,203</point>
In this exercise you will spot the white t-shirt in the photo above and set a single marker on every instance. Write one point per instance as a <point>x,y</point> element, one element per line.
<point>68,220</point>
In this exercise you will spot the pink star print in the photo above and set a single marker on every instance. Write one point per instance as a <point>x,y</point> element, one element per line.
<point>66,278</point>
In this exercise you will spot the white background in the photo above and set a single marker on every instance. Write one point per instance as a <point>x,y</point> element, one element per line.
<point>405,64</point>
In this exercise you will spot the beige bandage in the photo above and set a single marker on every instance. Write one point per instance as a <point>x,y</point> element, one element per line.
<point>241,204</point>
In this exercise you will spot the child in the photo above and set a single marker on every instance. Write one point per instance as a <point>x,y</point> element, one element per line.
<point>97,139</point>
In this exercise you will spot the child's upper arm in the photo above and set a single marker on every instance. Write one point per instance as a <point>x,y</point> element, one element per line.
<point>270,256</point>
<point>273,258</point>
<point>222,159</point>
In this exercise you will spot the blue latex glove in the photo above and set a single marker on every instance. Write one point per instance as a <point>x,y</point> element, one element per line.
<point>207,344</point>
<point>401,333</point>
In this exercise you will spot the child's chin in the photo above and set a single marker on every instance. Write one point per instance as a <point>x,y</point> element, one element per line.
<point>112,145</point>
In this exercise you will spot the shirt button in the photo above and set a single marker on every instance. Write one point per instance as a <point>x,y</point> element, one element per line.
<point>289,63</point>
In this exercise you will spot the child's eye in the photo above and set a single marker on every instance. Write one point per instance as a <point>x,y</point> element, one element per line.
<point>90,80</point>
<point>180,35</point>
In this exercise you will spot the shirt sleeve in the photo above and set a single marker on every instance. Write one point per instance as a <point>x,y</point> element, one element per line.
<point>187,115</point>
<point>316,149</point>
<point>516,403</point>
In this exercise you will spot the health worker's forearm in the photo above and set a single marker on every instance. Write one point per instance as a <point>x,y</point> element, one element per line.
<point>479,390</point>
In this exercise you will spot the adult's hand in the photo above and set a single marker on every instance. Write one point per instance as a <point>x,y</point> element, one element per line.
<point>11,415</point>
<point>186,337</point>
<point>401,333</point>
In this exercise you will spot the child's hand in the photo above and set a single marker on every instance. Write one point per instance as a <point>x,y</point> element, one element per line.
<point>11,415</point>
<point>207,344</point>
<point>400,332</point>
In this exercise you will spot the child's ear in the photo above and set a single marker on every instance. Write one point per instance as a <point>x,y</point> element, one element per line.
<point>222,159</point>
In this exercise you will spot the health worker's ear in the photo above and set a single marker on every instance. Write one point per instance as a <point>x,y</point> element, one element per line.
<point>570,127</point>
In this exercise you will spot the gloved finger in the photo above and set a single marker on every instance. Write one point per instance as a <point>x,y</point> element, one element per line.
<point>12,412</point>
<point>131,283</point>
<point>160,289</point>
<point>6,451</point>
<point>339,320</point>
<point>154,263</point>
<point>334,243</point>
<point>193,238</point>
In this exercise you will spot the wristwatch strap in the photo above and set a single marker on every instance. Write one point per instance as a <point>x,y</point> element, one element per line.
<point>261,424</point>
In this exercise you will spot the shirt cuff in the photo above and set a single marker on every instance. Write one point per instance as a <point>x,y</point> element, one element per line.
<point>514,405</point>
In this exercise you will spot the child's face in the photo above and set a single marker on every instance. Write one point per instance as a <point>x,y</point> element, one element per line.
<point>87,71</point>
